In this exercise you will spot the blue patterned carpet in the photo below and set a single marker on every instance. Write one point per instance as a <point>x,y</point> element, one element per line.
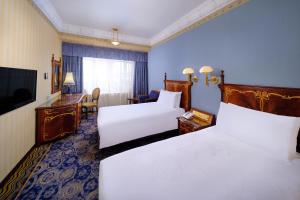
<point>70,168</point>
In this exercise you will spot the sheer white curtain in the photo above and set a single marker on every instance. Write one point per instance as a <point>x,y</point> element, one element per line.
<point>113,77</point>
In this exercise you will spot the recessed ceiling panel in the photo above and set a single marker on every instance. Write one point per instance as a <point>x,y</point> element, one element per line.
<point>142,18</point>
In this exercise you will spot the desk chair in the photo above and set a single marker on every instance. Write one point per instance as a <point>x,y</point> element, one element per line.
<point>87,105</point>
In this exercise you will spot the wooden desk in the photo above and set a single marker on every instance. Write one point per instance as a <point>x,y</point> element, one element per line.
<point>58,118</point>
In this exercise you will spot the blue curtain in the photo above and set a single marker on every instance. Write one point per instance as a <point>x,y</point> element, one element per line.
<point>140,78</point>
<point>73,54</point>
<point>73,64</point>
<point>80,50</point>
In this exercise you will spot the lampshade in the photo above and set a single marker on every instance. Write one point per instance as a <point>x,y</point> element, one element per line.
<point>69,80</point>
<point>206,69</point>
<point>188,70</point>
<point>115,43</point>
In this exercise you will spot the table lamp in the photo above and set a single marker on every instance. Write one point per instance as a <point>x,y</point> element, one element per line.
<point>69,80</point>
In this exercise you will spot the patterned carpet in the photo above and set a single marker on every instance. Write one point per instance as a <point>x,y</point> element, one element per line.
<point>20,176</point>
<point>68,170</point>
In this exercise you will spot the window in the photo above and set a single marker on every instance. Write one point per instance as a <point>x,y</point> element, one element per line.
<point>113,77</point>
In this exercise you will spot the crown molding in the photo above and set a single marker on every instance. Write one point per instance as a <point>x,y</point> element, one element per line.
<point>96,33</point>
<point>50,12</point>
<point>225,8</point>
<point>85,40</point>
<point>200,13</point>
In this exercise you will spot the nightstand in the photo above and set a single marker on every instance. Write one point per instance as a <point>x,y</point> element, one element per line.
<point>133,100</point>
<point>199,121</point>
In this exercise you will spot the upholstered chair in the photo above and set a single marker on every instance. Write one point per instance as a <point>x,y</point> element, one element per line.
<point>93,103</point>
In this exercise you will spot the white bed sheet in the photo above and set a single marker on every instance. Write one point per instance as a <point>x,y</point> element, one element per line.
<point>118,124</point>
<point>202,165</point>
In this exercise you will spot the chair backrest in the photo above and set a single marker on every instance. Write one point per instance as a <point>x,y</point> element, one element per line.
<point>154,94</point>
<point>96,94</point>
<point>85,98</point>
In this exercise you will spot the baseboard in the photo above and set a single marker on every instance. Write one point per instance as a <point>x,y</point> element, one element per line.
<point>7,177</point>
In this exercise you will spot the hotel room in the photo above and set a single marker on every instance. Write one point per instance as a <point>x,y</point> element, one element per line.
<point>150,100</point>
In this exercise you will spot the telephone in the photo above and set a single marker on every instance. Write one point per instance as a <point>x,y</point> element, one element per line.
<point>188,115</point>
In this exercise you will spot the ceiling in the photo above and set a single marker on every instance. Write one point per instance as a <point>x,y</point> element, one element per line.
<point>143,22</point>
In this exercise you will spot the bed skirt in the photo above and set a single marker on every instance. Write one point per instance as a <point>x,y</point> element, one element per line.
<point>118,148</point>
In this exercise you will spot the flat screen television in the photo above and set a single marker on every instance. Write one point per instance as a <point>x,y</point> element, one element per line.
<point>17,88</point>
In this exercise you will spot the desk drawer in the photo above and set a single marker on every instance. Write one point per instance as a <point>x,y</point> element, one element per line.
<point>55,123</point>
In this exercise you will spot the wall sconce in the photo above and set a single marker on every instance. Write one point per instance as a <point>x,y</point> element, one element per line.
<point>206,70</point>
<point>188,71</point>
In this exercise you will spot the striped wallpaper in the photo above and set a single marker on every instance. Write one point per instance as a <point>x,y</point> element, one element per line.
<point>27,40</point>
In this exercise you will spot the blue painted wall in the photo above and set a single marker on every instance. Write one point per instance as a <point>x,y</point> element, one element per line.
<point>257,43</point>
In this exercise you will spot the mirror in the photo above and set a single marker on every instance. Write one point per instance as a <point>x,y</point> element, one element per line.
<point>56,81</point>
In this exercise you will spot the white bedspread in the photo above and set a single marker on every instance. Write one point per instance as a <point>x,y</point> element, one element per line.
<point>119,124</point>
<point>205,165</point>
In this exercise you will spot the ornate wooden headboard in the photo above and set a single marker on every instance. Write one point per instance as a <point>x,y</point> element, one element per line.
<point>276,100</point>
<point>180,86</point>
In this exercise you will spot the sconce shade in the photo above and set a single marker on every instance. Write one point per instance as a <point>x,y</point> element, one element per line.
<point>69,80</point>
<point>188,70</point>
<point>206,69</point>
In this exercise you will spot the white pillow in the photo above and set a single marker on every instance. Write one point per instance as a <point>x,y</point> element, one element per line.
<point>178,99</point>
<point>275,134</point>
<point>169,99</point>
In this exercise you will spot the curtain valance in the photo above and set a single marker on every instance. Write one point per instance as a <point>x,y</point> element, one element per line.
<point>79,50</point>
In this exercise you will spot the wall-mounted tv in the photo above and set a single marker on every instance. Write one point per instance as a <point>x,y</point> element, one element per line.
<point>17,88</point>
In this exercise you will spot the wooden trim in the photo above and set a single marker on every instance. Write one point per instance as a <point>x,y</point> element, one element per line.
<point>180,86</point>
<point>55,63</point>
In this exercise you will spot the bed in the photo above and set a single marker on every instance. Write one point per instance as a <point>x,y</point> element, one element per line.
<point>124,123</point>
<point>215,163</point>
<point>119,124</point>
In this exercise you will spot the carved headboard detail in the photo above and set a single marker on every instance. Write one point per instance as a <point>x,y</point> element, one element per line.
<point>276,100</point>
<point>180,86</point>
